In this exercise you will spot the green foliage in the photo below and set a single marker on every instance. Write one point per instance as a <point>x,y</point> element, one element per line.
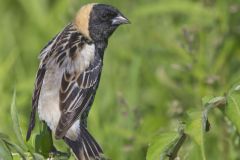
<point>233,111</point>
<point>166,145</point>
<point>43,145</point>
<point>4,151</point>
<point>43,141</point>
<point>10,150</point>
<point>16,127</point>
<point>160,145</point>
<point>156,72</point>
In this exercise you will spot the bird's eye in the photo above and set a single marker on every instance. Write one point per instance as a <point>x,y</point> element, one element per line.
<point>104,16</point>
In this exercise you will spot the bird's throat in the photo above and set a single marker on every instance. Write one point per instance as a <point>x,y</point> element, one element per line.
<point>100,47</point>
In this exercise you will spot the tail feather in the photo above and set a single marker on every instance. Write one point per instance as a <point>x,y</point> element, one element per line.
<point>31,124</point>
<point>85,147</point>
<point>96,148</point>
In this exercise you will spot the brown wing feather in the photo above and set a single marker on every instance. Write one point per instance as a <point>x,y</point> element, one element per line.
<point>77,91</point>
<point>76,95</point>
<point>37,90</point>
<point>48,54</point>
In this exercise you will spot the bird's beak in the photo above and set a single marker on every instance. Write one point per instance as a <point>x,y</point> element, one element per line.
<point>120,19</point>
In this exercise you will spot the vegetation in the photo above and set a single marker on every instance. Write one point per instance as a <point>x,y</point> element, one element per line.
<point>168,78</point>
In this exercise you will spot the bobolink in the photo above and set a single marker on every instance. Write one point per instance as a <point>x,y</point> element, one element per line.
<point>69,74</point>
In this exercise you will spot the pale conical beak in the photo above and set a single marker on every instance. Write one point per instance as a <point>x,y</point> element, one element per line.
<point>120,20</point>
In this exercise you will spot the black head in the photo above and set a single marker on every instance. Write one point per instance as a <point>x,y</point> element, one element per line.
<point>103,21</point>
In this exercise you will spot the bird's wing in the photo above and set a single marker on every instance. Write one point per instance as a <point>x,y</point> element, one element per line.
<point>79,81</point>
<point>53,47</point>
<point>35,97</point>
<point>76,94</point>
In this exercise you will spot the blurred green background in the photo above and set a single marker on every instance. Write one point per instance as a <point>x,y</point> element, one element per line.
<point>155,70</point>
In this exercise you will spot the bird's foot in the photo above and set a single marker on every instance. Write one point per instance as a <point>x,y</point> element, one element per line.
<point>55,153</point>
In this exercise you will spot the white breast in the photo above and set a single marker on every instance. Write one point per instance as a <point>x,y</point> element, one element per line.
<point>83,59</point>
<point>48,105</point>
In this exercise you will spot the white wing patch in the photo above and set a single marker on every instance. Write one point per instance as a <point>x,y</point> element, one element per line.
<point>82,61</point>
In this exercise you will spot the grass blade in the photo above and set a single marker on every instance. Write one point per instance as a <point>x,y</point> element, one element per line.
<point>5,153</point>
<point>16,126</point>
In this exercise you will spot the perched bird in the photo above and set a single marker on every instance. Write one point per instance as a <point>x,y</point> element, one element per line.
<point>69,74</point>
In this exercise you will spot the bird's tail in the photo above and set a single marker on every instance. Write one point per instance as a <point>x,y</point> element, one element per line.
<point>85,147</point>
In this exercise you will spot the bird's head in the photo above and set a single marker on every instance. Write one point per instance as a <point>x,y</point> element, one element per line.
<point>99,21</point>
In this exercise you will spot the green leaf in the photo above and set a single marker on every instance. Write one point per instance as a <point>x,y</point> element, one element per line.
<point>212,103</point>
<point>3,136</point>
<point>232,110</point>
<point>38,143</point>
<point>37,156</point>
<point>16,125</point>
<point>5,153</point>
<point>160,144</point>
<point>18,149</point>
<point>172,152</point>
<point>43,141</point>
<point>194,129</point>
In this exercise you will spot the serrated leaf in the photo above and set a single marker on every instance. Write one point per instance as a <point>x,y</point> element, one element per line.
<point>160,144</point>
<point>5,153</point>
<point>16,126</point>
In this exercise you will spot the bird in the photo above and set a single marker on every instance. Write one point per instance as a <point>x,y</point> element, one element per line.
<point>69,74</point>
